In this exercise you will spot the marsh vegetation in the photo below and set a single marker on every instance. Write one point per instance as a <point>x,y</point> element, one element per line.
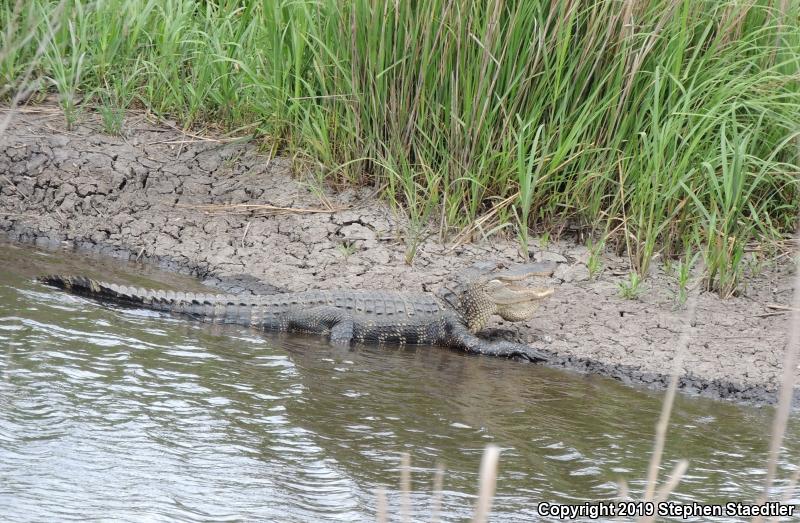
<point>658,126</point>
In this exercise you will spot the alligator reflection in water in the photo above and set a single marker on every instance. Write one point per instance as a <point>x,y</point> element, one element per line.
<point>135,414</point>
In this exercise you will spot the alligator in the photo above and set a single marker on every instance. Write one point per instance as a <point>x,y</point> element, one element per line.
<point>450,318</point>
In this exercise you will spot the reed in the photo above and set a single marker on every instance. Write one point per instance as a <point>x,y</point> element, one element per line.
<point>674,118</point>
<point>663,123</point>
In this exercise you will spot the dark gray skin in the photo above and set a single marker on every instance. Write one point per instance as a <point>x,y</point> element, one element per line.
<point>345,316</point>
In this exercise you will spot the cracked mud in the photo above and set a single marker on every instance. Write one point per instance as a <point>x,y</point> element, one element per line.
<point>147,195</point>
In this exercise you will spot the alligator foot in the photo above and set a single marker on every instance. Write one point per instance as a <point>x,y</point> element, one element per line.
<point>514,351</point>
<point>465,340</point>
<point>519,352</point>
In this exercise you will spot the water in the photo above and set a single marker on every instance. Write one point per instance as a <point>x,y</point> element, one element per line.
<point>134,415</point>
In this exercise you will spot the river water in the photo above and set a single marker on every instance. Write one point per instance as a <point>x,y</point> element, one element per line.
<point>127,414</point>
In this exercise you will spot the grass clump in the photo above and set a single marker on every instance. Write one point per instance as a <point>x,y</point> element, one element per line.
<point>631,288</point>
<point>662,121</point>
<point>594,263</point>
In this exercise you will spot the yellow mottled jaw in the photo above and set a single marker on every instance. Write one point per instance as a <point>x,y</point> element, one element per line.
<point>499,293</point>
<point>503,293</point>
<point>517,303</point>
<point>522,311</point>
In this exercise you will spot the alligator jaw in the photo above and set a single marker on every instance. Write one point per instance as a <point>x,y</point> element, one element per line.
<point>524,271</point>
<point>504,291</point>
<point>500,292</point>
<point>509,294</point>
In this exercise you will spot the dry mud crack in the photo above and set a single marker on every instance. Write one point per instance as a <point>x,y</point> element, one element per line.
<point>137,196</point>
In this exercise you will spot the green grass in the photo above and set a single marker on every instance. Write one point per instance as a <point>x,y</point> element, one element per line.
<point>631,289</point>
<point>655,124</point>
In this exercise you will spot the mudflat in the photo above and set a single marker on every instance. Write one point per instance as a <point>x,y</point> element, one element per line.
<point>240,221</point>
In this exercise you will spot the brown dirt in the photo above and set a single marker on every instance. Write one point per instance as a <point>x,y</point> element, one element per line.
<point>134,197</point>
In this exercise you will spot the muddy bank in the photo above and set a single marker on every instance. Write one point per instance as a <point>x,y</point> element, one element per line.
<point>146,195</point>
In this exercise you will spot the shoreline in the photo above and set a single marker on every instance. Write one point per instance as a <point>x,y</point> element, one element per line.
<point>157,195</point>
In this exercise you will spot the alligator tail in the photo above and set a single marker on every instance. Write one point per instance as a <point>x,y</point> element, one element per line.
<point>206,307</point>
<point>90,288</point>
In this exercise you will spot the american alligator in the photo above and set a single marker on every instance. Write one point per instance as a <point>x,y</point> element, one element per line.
<point>451,318</point>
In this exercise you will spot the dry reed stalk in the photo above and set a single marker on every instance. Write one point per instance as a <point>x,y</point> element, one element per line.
<point>672,482</point>
<point>488,482</point>
<point>661,433</point>
<point>251,208</point>
<point>622,489</point>
<point>790,359</point>
<point>405,486</point>
<point>780,16</point>
<point>733,27</point>
<point>438,482</point>
<point>464,236</point>
<point>783,409</point>
<point>789,491</point>
<point>666,412</point>
<point>381,511</point>
<point>9,30</point>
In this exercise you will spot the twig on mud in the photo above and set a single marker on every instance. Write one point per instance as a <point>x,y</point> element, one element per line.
<point>61,220</point>
<point>98,211</point>
<point>778,306</point>
<point>250,208</point>
<point>19,215</point>
<point>246,228</point>
<point>151,118</point>
<point>184,142</point>
<point>14,187</point>
<point>769,314</point>
<point>196,138</point>
<point>39,109</point>
<point>186,133</point>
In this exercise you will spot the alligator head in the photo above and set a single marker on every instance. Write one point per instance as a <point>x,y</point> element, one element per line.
<point>485,292</point>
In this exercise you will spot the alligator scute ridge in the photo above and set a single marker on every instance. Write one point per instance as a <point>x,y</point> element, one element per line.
<point>451,319</point>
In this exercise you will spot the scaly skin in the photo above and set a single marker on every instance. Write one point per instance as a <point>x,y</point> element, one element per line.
<point>345,316</point>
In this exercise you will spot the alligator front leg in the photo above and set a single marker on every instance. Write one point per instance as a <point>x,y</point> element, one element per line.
<point>322,320</point>
<point>460,337</point>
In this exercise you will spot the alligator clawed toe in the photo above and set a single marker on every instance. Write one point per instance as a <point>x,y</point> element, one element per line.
<point>533,357</point>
